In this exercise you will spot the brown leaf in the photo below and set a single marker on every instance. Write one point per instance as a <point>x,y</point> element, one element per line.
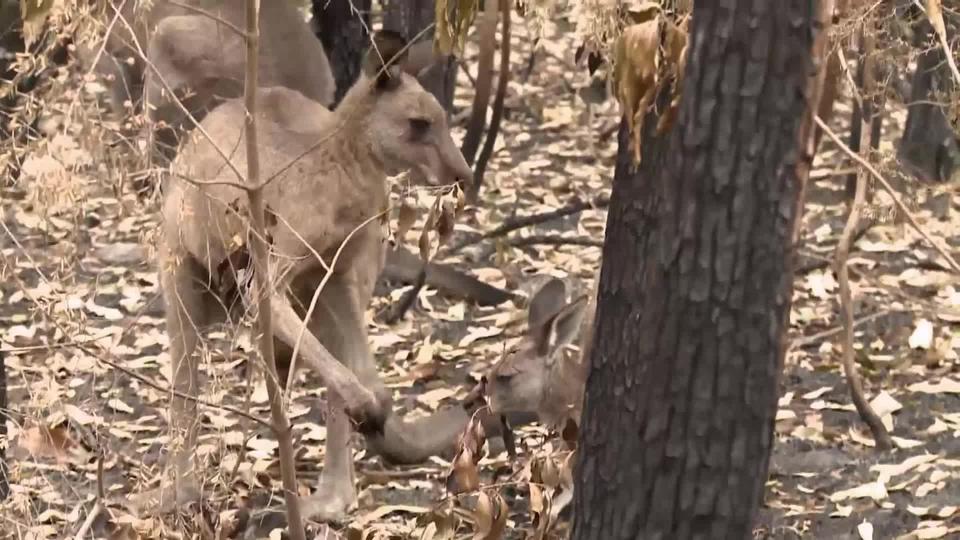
<point>445,222</point>
<point>463,475</point>
<point>540,503</point>
<point>46,442</point>
<point>490,515</point>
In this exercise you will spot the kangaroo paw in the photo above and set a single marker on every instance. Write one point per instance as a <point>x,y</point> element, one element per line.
<point>331,503</point>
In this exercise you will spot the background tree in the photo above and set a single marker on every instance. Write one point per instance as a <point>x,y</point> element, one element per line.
<point>929,147</point>
<point>695,289</point>
<point>343,28</point>
<point>410,17</point>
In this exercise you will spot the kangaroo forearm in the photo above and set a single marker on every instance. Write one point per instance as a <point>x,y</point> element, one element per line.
<point>408,443</point>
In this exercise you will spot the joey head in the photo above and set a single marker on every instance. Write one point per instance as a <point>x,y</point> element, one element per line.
<point>327,174</point>
<point>540,374</point>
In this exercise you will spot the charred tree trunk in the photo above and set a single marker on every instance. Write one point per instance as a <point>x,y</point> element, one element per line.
<point>695,289</point>
<point>929,148</point>
<point>342,27</point>
<point>410,17</point>
<point>4,414</point>
<point>10,44</point>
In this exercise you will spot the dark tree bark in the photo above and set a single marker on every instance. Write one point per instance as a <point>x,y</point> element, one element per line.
<point>929,147</point>
<point>4,414</point>
<point>410,17</point>
<point>695,288</point>
<point>342,27</point>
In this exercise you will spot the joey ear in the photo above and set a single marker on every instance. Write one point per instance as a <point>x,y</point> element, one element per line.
<point>562,328</point>
<point>545,303</point>
<point>387,50</point>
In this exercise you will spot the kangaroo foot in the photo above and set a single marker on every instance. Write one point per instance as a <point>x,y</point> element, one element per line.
<point>332,502</point>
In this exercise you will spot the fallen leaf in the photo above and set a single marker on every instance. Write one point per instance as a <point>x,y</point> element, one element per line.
<point>873,490</point>
<point>922,336</point>
<point>119,406</point>
<point>944,386</point>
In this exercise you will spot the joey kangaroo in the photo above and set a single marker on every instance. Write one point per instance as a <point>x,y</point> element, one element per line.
<point>330,169</point>
<point>193,51</point>
<point>539,375</point>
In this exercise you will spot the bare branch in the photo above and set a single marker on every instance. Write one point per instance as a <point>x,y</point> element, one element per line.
<point>262,279</point>
<point>893,194</point>
<point>880,434</point>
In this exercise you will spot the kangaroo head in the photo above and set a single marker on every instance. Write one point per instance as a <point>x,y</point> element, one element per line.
<point>524,377</point>
<point>406,125</point>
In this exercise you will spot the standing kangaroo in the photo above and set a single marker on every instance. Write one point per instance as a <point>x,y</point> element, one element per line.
<point>202,59</point>
<point>331,170</point>
<point>540,375</point>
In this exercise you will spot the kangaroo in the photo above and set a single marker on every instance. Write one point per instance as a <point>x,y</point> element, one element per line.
<point>194,52</point>
<point>540,375</point>
<point>331,169</point>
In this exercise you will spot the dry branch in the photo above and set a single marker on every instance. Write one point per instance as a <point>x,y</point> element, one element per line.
<point>263,287</point>
<point>901,206</point>
<point>514,223</point>
<point>503,76</point>
<point>880,434</point>
<point>861,115</point>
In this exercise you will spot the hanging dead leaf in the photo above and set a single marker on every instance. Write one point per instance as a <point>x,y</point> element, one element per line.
<point>463,475</point>
<point>635,75</point>
<point>540,505</point>
<point>490,516</point>
<point>445,222</point>
<point>452,23</point>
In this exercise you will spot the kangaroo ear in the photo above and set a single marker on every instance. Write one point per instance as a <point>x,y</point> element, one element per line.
<point>545,303</point>
<point>387,50</point>
<point>563,328</point>
<point>421,56</point>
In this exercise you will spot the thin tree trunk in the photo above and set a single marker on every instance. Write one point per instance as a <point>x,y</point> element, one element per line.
<point>342,26</point>
<point>929,147</point>
<point>410,17</point>
<point>4,415</point>
<point>695,290</point>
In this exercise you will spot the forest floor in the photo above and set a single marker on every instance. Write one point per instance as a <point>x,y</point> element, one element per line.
<point>79,286</point>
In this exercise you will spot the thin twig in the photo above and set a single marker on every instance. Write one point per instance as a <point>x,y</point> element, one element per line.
<point>98,506</point>
<point>515,223</point>
<point>262,279</point>
<point>892,192</point>
<point>553,240</point>
<point>880,434</point>
<point>319,289</point>
<point>88,523</point>
<point>936,21</point>
<point>806,341</point>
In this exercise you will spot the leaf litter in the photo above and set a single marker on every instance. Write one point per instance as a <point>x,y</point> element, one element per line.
<point>825,478</point>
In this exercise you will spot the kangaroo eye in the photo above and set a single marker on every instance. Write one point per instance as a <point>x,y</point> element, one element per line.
<point>419,127</point>
<point>503,378</point>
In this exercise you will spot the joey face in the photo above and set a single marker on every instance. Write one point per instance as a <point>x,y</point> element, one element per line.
<point>409,129</point>
<point>518,382</point>
<point>531,371</point>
